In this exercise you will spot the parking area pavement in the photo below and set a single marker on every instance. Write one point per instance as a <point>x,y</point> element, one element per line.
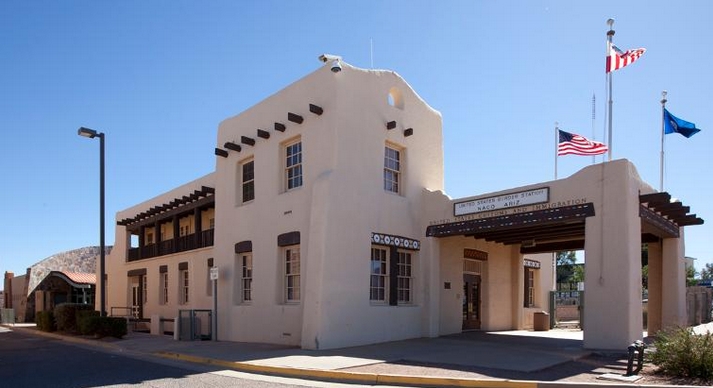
<point>510,358</point>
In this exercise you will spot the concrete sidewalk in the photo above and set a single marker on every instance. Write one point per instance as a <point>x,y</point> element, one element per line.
<point>445,361</point>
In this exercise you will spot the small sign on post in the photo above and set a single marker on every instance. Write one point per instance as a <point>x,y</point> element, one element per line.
<point>214,273</point>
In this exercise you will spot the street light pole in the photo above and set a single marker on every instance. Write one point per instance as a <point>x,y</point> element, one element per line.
<point>90,133</point>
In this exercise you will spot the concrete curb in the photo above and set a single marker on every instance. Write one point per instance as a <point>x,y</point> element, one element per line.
<point>351,377</point>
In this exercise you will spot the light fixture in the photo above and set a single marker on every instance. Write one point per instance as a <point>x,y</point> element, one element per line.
<point>334,59</point>
<point>90,133</point>
<point>86,132</point>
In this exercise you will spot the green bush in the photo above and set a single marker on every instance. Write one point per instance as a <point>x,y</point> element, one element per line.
<point>111,327</point>
<point>682,353</point>
<point>87,322</point>
<point>66,316</point>
<point>45,321</point>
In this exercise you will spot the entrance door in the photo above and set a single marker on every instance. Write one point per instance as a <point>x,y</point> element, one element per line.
<point>471,302</point>
<point>135,300</point>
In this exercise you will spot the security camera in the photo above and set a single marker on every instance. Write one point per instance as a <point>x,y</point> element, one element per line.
<point>336,67</point>
<point>329,57</point>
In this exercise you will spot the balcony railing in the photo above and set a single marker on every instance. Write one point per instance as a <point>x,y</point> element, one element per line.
<point>169,247</point>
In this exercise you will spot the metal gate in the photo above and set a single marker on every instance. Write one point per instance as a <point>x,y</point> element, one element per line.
<point>195,325</point>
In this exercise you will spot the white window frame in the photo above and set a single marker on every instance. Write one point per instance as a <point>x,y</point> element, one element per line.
<point>246,277</point>
<point>381,278</point>
<point>393,168</point>
<point>246,181</point>
<point>293,162</point>
<point>184,286</point>
<point>405,277</point>
<point>379,275</point>
<point>530,287</point>
<point>163,282</point>
<point>292,268</point>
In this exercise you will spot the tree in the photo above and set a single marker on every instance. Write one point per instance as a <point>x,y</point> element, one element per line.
<point>565,266</point>
<point>707,272</point>
<point>691,276</point>
<point>578,275</point>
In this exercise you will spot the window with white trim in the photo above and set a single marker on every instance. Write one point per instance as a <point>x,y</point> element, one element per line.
<point>379,275</point>
<point>184,286</point>
<point>246,279</point>
<point>392,276</point>
<point>529,287</point>
<point>405,278</point>
<point>293,164</point>
<point>248,180</point>
<point>292,273</point>
<point>392,169</point>
<point>164,288</point>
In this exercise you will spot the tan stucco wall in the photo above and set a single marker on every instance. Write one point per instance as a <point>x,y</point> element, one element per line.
<point>341,203</point>
<point>119,284</point>
<point>612,249</point>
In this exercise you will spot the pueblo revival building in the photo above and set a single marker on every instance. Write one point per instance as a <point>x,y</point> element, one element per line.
<point>326,225</point>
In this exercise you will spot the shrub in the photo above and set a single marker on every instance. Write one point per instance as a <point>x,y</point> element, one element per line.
<point>66,316</point>
<point>45,321</point>
<point>111,327</point>
<point>87,322</point>
<point>682,353</point>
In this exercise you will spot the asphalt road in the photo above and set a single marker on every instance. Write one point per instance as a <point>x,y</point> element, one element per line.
<point>31,361</point>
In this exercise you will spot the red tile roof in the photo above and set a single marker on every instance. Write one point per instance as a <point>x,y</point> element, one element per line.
<point>81,278</point>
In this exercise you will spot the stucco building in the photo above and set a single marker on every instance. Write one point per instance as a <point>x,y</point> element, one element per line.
<point>328,224</point>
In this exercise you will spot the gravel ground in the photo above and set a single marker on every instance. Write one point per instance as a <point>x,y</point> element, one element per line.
<point>585,370</point>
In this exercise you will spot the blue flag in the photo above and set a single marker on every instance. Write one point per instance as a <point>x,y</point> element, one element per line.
<point>674,124</point>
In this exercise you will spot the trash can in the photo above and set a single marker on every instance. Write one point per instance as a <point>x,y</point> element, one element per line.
<point>541,321</point>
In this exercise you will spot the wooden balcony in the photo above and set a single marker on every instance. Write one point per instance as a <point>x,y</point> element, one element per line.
<point>169,247</point>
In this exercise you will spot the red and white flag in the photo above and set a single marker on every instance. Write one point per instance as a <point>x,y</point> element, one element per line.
<point>618,59</point>
<point>573,144</point>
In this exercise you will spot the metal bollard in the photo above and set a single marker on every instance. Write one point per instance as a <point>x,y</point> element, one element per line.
<point>636,348</point>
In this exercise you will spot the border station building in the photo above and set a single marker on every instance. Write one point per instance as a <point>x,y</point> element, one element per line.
<point>327,223</point>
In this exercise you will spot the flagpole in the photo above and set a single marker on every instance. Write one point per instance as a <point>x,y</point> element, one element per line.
<point>663,108</point>
<point>557,140</point>
<point>610,34</point>
<point>594,115</point>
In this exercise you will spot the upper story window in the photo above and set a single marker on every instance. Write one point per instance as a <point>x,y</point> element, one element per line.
<point>392,169</point>
<point>293,165</point>
<point>248,180</point>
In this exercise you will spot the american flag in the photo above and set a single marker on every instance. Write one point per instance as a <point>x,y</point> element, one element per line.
<point>618,59</point>
<point>572,144</point>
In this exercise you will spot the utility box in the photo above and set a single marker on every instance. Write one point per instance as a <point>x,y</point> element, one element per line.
<point>541,321</point>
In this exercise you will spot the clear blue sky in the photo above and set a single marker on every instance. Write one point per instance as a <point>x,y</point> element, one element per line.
<point>158,76</point>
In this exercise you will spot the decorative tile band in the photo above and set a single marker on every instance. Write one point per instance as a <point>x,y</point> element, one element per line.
<point>396,241</point>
